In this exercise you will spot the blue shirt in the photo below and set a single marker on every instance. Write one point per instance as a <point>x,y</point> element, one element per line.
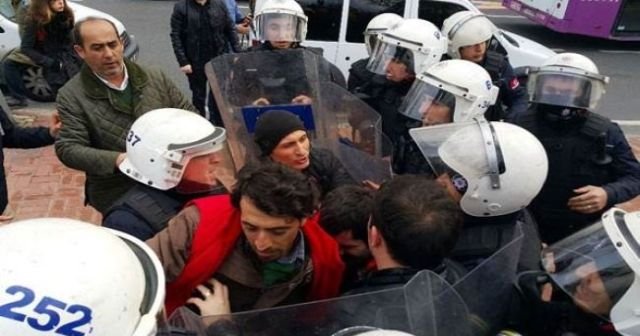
<point>234,12</point>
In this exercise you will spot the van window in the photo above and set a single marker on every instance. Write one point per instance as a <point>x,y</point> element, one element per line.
<point>362,11</point>
<point>629,19</point>
<point>324,19</point>
<point>437,11</point>
<point>7,9</point>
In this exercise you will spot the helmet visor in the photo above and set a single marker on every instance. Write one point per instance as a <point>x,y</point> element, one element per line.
<point>386,56</point>
<point>429,104</point>
<point>588,267</point>
<point>469,149</point>
<point>280,27</point>
<point>563,88</point>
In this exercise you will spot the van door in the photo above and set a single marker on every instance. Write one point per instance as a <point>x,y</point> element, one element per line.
<point>360,12</point>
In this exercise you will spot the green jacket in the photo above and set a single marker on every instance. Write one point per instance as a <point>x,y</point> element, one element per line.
<point>95,123</point>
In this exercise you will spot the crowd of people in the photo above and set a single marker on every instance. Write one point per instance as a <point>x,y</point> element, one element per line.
<point>502,191</point>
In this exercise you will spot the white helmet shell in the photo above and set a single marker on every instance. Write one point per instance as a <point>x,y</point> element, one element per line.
<point>504,166</point>
<point>288,10</point>
<point>161,143</point>
<point>568,67</point>
<point>379,24</point>
<point>467,83</point>
<point>415,42</point>
<point>466,28</point>
<point>70,277</point>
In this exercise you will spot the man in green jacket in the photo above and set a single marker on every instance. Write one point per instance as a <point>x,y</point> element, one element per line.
<point>100,103</point>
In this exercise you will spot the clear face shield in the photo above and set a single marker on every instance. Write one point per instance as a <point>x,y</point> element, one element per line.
<point>467,159</point>
<point>387,57</point>
<point>589,267</point>
<point>566,87</point>
<point>428,104</point>
<point>280,27</point>
<point>205,165</point>
<point>371,39</point>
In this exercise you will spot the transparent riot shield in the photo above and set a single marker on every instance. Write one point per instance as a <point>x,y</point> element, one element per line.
<point>257,79</point>
<point>426,306</point>
<point>334,118</point>
<point>487,289</point>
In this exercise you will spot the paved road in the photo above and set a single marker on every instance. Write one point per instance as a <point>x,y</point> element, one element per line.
<point>149,21</point>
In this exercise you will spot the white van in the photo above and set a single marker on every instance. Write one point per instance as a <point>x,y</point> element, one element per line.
<point>37,87</point>
<point>336,26</point>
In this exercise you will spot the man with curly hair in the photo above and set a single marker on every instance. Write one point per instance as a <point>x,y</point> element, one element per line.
<point>261,244</point>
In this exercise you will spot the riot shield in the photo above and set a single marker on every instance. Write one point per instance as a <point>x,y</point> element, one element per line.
<point>261,78</point>
<point>487,289</point>
<point>334,118</point>
<point>426,306</point>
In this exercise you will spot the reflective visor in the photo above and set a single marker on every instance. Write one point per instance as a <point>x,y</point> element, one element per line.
<point>429,104</point>
<point>279,27</point>
<point>209,144</point>
<point>561,87</point>
<point>384,53</point>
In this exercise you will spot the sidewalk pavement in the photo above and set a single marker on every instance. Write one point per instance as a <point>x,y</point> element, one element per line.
<point>40,186</point>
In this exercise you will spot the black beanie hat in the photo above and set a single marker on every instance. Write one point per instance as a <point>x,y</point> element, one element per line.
<point>272,126</point>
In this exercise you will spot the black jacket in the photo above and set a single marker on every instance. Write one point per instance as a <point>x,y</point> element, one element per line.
<point>18,137</point>
<point>327,171</point>
<point>188,39</point>
<point>576,151</point>
<point>51,47</point>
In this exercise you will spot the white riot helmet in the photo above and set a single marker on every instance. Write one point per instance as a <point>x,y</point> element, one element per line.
<point>497,168</point>
<point>599,266</point>
<point>379,24</point>
<point>450,91</point>
<point>161,143</point>
<point>68,277</point>
<point>466,28</point>
<point>369,331</point>
<point>414,42</point>
<point>568,80</point>
<point>281,20</point>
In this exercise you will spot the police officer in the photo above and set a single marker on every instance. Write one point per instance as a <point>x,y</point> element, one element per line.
<point>177,156</point>
<point>589,284</point>
<point>281,25</point>
<point>592,166</point>
<point>449,91</point>
<point>470,37</point>
<point>397,58</point>
<point>358,73</point>
<point>493,170</point>
<point>86,279</point>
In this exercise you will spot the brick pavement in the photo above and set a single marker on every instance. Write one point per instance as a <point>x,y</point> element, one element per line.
<point>40,186</point>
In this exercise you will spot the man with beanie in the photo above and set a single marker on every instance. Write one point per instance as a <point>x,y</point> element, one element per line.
<point>282,137</point>
<point>262,242</point>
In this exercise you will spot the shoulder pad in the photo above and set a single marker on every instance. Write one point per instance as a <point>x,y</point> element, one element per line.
<point>595,125</point>
<point>494,64</point>
<point>154,206</point>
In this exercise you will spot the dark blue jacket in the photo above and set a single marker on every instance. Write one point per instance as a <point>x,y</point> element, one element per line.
<point>18,137</point>
<point>574,150</point>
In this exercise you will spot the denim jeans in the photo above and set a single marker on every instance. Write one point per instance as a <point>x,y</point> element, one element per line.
<point>13,78</point>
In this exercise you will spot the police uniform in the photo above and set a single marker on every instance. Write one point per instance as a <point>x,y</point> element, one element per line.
<point>588,150</point>
<point>513,94</point>
<point>358,74</point>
